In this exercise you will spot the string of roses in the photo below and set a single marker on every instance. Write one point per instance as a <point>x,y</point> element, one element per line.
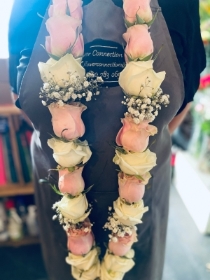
<point>143,98</point>
<point>65,82</point>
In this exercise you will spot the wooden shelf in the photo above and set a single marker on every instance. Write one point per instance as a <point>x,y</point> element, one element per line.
<point>27,240</point>
<point>16,189</point>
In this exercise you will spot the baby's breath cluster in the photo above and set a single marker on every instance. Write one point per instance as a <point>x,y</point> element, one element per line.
<point>67,224</point>
<point>145,108</point>
<point>118,230</point>
<point>75,89</point>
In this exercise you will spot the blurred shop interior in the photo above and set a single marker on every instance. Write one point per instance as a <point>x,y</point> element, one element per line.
<point>188,241</point>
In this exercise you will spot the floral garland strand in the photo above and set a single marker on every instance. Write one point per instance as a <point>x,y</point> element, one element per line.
<point>65,84</point>
<point>143,98</point>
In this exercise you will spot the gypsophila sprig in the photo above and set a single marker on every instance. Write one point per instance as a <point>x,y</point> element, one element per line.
<point>75,89</point>
<point>145,109</point>
<point>117,229</point>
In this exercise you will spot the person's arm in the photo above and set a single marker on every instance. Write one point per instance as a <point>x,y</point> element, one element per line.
<point>178,119</point>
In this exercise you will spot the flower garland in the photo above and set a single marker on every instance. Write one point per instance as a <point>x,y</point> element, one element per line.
<point>65,83</point>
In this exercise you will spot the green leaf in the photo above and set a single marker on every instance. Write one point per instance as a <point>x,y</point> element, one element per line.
<point>139,177</point>
<point>139,20</point>
<point>127,23</point>
<point>55,189</point>
<point>146,58</point>
<point>153,19</point>
<point>87,190</point>
<point>158,53</point>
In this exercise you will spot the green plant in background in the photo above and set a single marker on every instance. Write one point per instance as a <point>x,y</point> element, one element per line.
<point>205,127</point>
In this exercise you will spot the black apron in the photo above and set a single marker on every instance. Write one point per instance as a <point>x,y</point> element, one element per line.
<point>103,19</point>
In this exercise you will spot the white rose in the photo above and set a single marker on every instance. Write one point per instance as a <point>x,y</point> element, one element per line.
<point>58,71</point>
<point>116,263</point>
<point>110,275</point>
<point>135,163</point>
<point>139,79</point>
<point>69,154</point>
<point>83,262</point>
<point>74,208</point>
<point>91,274</point>
<point>129,215</point>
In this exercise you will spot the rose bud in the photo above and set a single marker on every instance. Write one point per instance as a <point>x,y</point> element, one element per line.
<point>139,43</point>
<point>123,244</point>
<point>130,188</point>
<point>66,120</point>
<point>80,245</point>
<point>135,137</point>
<point>71,182</point>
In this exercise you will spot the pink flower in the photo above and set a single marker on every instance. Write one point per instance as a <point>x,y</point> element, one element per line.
<point>75,8</point>
<point>137,7</point>
<point>71,182</point>
<point>130,188</point>
<point>123,244</point>
<point>139,43</point>
<point>81,244</point>
<point>58,8</point>
<point>66,120</point>
<point>63,34</point>
<point>135,137</point>
<point>78,49</point>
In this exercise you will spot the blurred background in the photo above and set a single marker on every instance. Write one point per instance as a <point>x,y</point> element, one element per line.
<point>188,241</point>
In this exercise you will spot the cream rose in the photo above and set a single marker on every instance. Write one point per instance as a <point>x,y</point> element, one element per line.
<point>74,209</point>
<point>83,262</point>
<point>91,274</point>
<point>129,215</point>
<point>69,154</point>
<point>135,163</point>
<point>110,275</point>
<point>139,79</point>
<point>58,71</point>
<point>114,267</point>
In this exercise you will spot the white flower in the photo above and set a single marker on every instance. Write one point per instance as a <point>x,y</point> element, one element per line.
<point>74,208</point>
<point>44,103</point>
<point>56,95</point>
<point>135,163</point>
<point>86,84</point>
<point>139,79</point>
<point>74,96</point>
<point>129,215</point>
<point>60,103</point>
<point>92,273</point>
<point>58,71</point>
<point>46,86</point>
<point>83,262</point>
<point>69,154</point>
<point>114,267</point>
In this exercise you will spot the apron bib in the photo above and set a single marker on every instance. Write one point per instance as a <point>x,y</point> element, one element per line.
<point>103,27</point>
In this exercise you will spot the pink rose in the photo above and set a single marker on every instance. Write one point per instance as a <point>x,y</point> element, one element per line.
<point>134,137</point>
<point>130,188</point>
<point>75,8</point>
<point>63,32</point>
<point>71,182</point>
<point>123,244</point>
<point>58,8</point>
<point>137,7</point>
<point>139,43</point>
<point>66,120</point>
<point>78,49</point>
<point>81,244</point>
